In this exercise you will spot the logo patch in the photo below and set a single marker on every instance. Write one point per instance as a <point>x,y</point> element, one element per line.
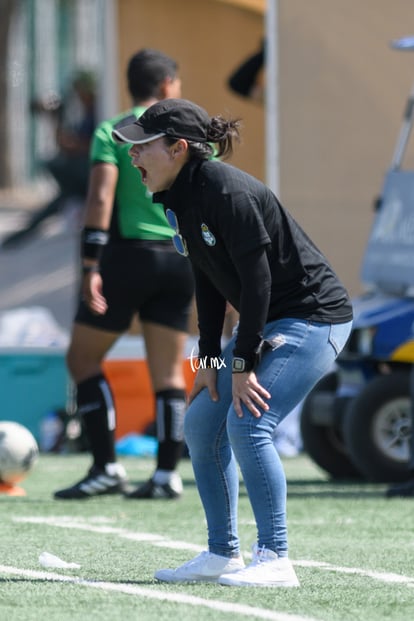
<point>207,235</point>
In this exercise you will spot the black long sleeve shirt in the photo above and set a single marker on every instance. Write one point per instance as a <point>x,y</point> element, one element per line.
<point>247,249</point>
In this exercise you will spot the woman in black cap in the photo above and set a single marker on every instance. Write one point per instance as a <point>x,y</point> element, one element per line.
<point>295,317</point>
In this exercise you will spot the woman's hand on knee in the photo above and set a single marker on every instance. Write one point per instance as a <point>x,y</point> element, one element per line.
<point>205,378</point>
<point>247,390</point>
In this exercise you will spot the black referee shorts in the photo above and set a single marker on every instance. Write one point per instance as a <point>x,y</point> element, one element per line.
<point>145,277</point>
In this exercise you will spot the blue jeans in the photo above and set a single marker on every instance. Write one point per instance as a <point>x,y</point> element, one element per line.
<point>218,440</point>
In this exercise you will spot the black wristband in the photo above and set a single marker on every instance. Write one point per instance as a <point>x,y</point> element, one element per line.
<point>88,269</point>
<point>92,242</point>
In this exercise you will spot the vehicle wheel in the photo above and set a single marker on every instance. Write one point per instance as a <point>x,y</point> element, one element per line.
<point>322,442</point>
<point>377,428</point>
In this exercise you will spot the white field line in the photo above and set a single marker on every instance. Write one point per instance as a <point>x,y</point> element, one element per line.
<point>155,540</point>
<point>376,575</point>
<point>163,542</point>
<point>128,589</point>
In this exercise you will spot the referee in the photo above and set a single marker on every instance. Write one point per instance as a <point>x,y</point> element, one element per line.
<point>130,268</point>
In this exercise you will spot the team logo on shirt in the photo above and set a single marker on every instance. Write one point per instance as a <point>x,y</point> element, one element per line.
<point>207,235</point>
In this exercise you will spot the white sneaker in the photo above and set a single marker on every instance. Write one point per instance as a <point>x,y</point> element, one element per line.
<point>206,567</point>
<point>267,569</point>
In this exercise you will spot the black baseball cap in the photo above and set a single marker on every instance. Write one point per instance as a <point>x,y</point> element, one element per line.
<point>177,118</point>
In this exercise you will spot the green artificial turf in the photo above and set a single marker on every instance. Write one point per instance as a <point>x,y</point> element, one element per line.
<point>352,550</point>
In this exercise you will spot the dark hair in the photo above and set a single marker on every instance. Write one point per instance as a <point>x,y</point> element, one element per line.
<point>147,69</point>
<point>221,135</point>
<point>223,132</point>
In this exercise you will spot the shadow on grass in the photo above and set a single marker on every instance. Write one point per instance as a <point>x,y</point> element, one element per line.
<point>299,488</point>
<point>317,488</point>
<point>305,488</point>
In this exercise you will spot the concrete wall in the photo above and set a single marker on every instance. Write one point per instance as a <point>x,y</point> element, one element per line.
<point>343,94</point>
<point>208,38</point>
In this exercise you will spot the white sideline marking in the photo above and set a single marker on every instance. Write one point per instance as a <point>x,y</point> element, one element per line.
<point>156,540</point>
<point>376,575</point>
<point>162,542</point>
<point>247,611</point>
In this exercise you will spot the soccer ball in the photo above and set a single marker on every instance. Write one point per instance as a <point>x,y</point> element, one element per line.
<point>18,452</point>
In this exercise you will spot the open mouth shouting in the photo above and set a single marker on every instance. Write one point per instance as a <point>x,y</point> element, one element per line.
<point>156,163</point>
<point>143,173</point>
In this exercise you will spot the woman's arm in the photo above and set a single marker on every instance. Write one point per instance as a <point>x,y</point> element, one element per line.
<point>211,308</point>
<point>254,272</point>
<point>255,276</point>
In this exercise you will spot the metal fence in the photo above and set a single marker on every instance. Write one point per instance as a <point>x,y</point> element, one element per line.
<point>49,40</point>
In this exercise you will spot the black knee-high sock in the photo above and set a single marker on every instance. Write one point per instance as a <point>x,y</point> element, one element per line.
<point>171,406</point>
<point>97,410</point>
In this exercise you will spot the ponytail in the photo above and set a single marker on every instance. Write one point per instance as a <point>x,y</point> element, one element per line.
<point>223,133</point>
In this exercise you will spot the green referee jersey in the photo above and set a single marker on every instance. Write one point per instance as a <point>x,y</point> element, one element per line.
<point>134,216</point>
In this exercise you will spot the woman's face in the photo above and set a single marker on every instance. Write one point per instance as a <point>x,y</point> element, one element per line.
<point>158,163</point>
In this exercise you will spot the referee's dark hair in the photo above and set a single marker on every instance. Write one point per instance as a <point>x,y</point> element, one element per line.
<point>147,69</point>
